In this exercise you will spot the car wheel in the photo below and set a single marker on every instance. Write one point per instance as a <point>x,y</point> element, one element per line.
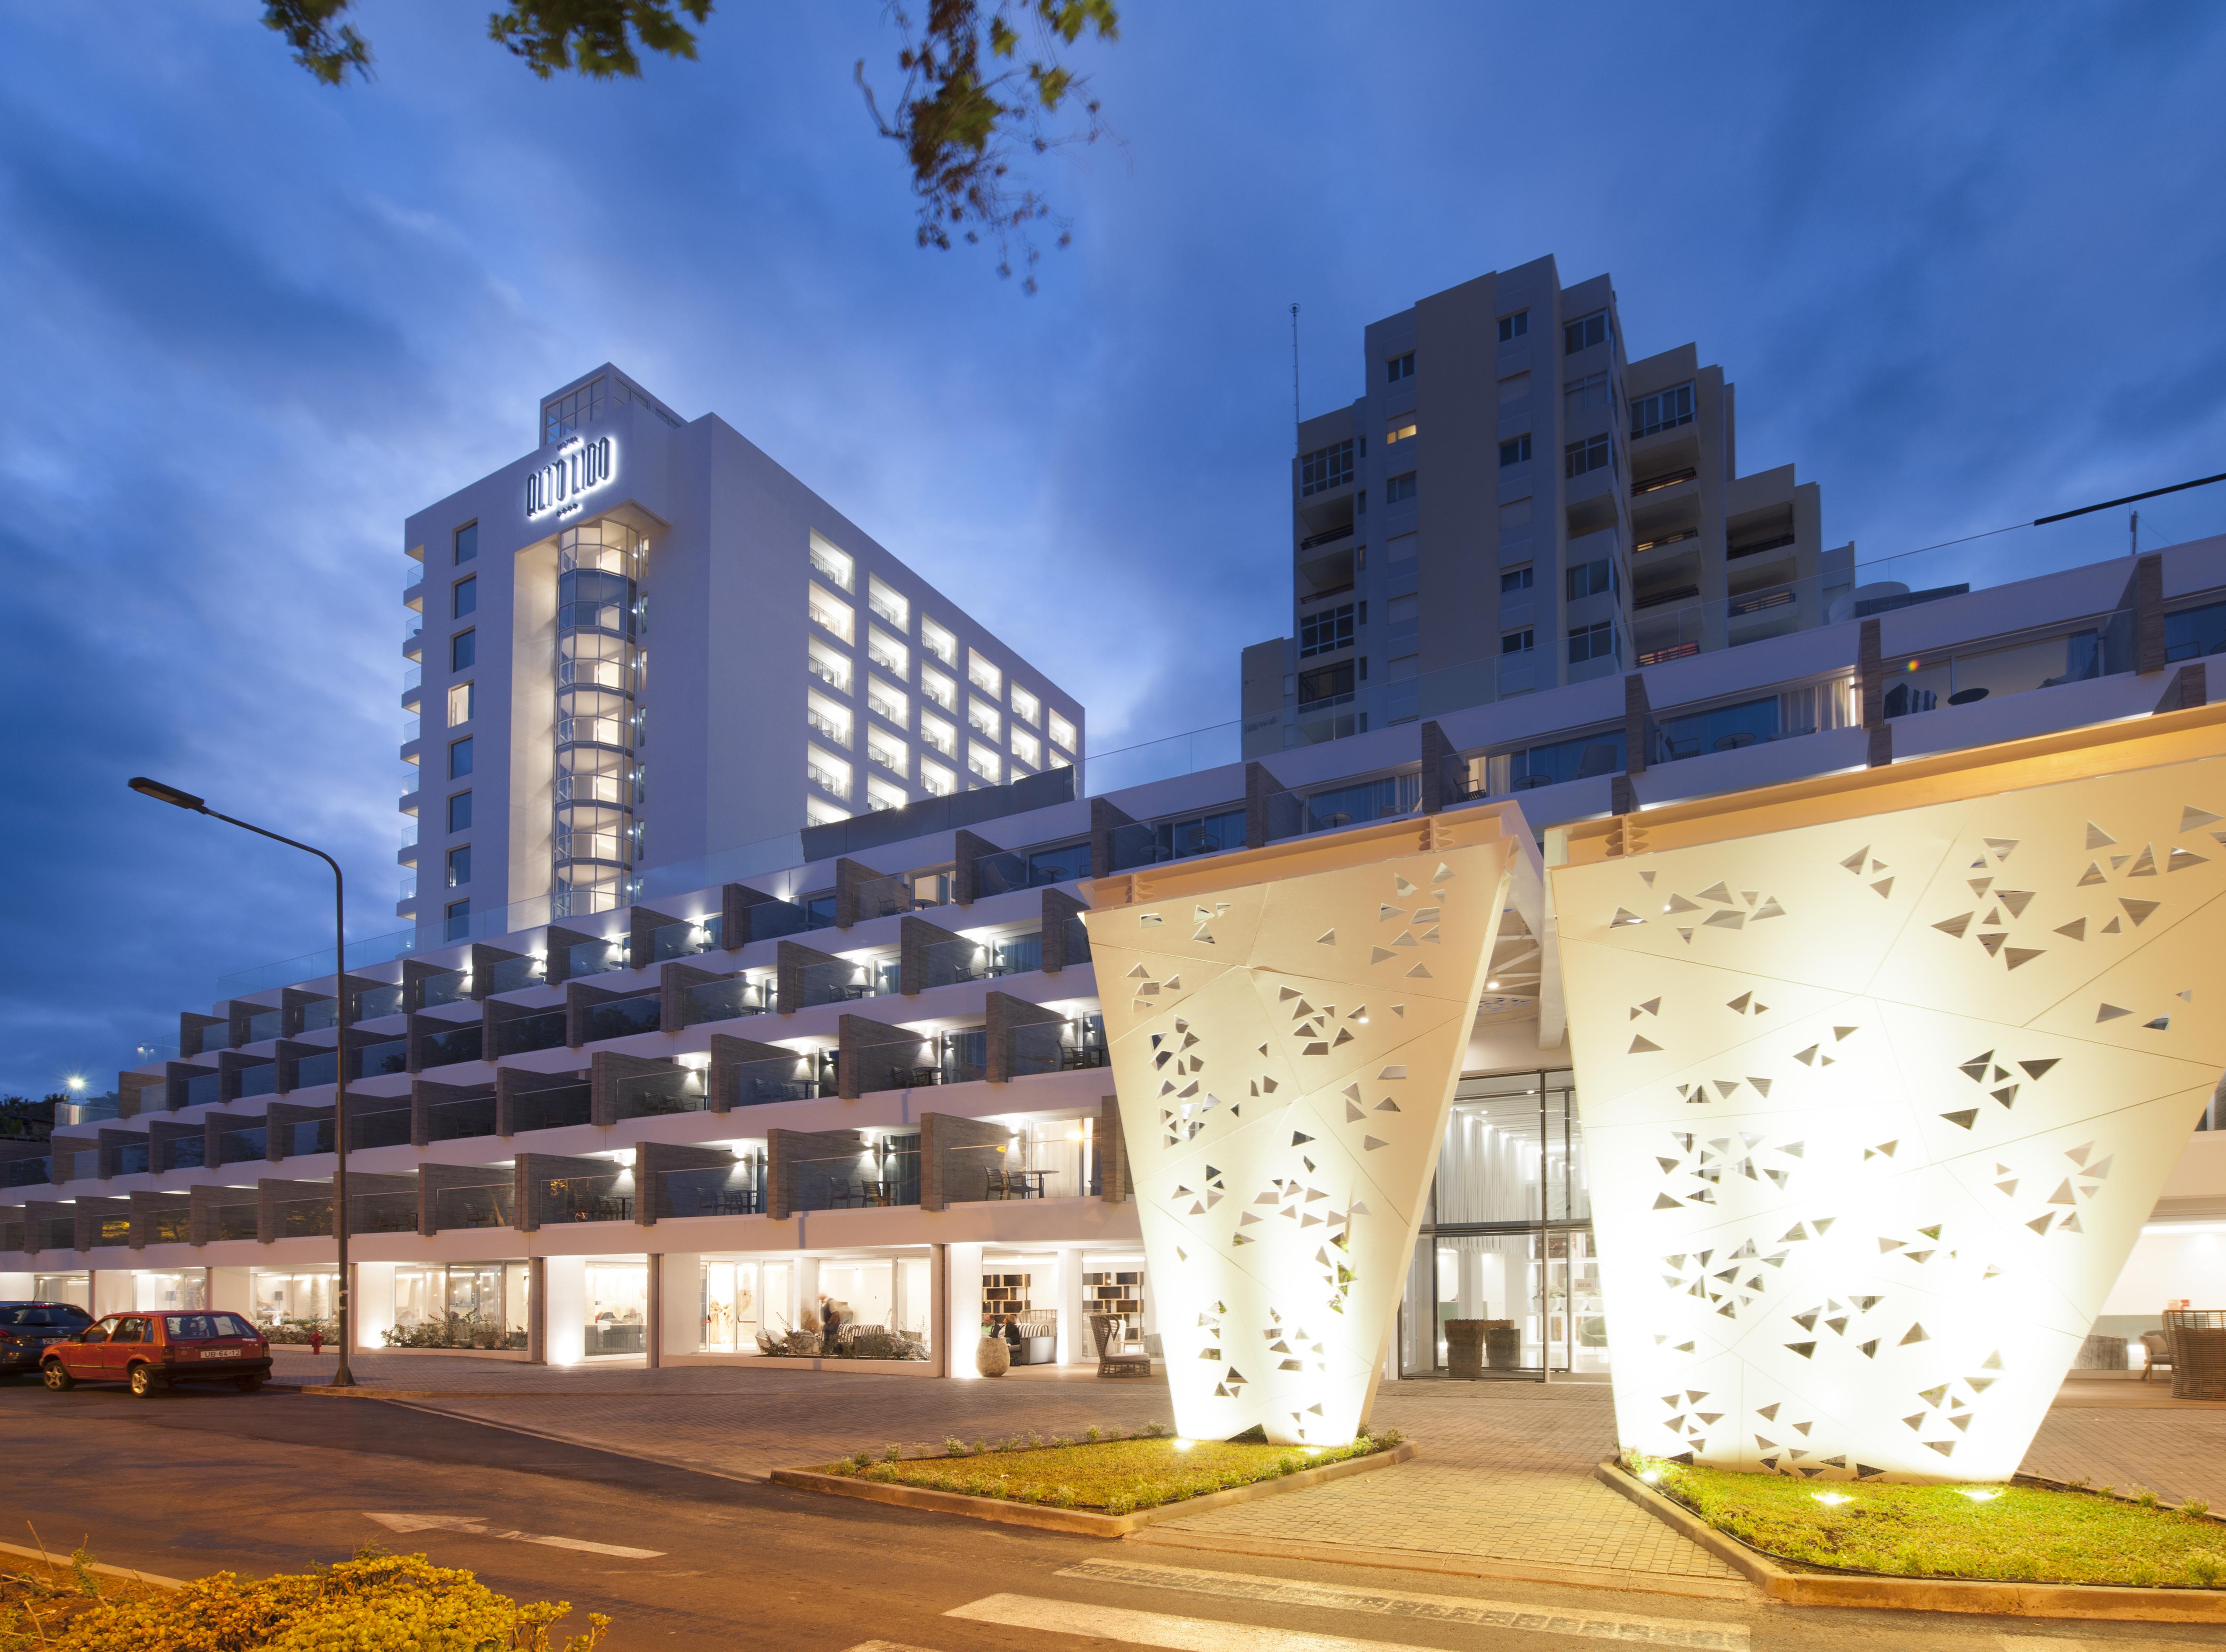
<point>247,1384</point>
<point>145,1380</point>
<point>58,1379</point>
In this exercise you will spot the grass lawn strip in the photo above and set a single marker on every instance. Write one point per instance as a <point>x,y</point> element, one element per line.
<point>1112,1476</point>
<point>2015,1534</point>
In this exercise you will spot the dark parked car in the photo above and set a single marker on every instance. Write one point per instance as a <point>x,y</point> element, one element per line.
<point>152,1350</point>
<point>27,1329</point>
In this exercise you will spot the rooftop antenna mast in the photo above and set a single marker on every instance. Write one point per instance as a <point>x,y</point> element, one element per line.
<point>1295,369</point>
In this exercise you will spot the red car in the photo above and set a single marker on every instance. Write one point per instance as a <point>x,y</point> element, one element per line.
<point>152,1350</point>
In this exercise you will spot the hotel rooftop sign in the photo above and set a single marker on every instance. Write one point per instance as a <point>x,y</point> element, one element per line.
<point>560,488</point>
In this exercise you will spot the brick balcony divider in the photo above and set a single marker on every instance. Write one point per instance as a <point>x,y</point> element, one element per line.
<point>641,924</point>
<point>1438,759</point>
<point>557,968</point>
<point>203,1203</point>
<point>728,1052</point>
<point>790,959</point>
<point>653,1159</point>
<point>1059,948</point>
<point>862,1064</point>
<point>175,1075</point>
<point>416,972</point>
<point>414,1026</point>
<point>39,1215</point>
<point>494,1013</point>
<point>735,900</point>
<point>915,937</point>
<point>952,1159</point>
<point>1005,1013</point>
<point>277,1122</point>
<point>147,1207</point>
<point>967,849</point>
<point>229,1065</point>
<point>674,978</point>
<point>89,1214</point>
<point>293,1003</point>
<point>365,1184</point>
<point>131,1089</point>
<point>212,1126</point>
<point>535,1170</point>
<point>190,1024</point>
<point>291,1053</point>
<point>605,1069</point>
<point>785,1148</point>
<point>850,877</point>
<point>272,1191</point>
<point>1258,783</point>
<point>60,1144</point>
<point>484,959</point>
<point>432,1179</point>
<point>241,1012</point>
<point>113,1142</point>
<point>1112,1149</point>
<point>160,1132</point>
<point>2188,688</point>
<point>1104,818</point>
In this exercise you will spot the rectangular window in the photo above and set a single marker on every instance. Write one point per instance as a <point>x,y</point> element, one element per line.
<point>457,915</point>
<point>459,758</point>
<point>889,603</point>
<point>1062,732</point>
<point>1028,748</point>
<point>1585,401</point>
<point>831,615</point>
<point>988,765</point>
<point>1515,579</point>
<point>1325,468</point>
<point>463,650</point>
<point>938,688</point>
<point>1664,410</point>
<point>1326,631</point>
<point>886,752</point>
<point>1592,578</point>
<point>1581,458</point>
<point>1591,642</point>
<point>880,795</point>
<point>1517,642</point>
<point>1514,451</point>
<point>1400,367</point>
<point>1584,333</point>
<point>1325,683</point>
<point>938,641</point>
<point>827,719</point>
<point>982,674</point>
<point>884,701</point>
<point>1398,490</point>
<point>939,733</point>
<point>460,866</point>
<point>832,565</point>
<point>888,652</point>
<point>460,812</point>
<point>1399,431</point>
<point>1026,706</point>
<point>983,718</point>
<point>463,700</point>
<point>468,541</point>
<point>464,598</point>
<point>1512,328</point>
<point>829,666</point>
<point>935,779</point>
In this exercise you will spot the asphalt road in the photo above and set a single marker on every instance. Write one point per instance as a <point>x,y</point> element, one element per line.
<point>195,1481</point>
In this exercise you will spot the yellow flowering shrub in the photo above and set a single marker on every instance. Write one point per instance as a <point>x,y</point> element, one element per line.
<point>374,1603</point>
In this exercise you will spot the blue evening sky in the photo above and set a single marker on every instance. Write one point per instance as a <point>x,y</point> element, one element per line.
<point>1964,264</point>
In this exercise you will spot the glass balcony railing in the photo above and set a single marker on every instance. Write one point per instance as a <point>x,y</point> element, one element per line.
<point>203,1089</point>
<point>510,975</point>
<point>1294,814</point>
<point>324,1068</point>
<point>451,987</point>
<point>886,897</point>
<point>131,1159</point>
<point>657,1095</point>
<point>215,1037</point>
<point>1059,1046</point>
<point>950,963</point>
<point>716,1190</point>
<point>382,1212</point>
<point>73,1164</point>
<point>458,1120</point>
<point>777,1078</point>
<point>446,1049</point>
<point>596,958</point>
<point>375,1002</point>
<point>243,1147</point>
<point>556,1108</point>
<point>1159,842</point>
<point>189,1152</point>
<point>305,1137</point>
<point>303,1218</point>
<point>111,1231</point>
<point>685,939</point>
<point>260,1081</point>
<point>588,1198</point>
<point>835,983</point>
<point>490,1206</point>
<point>387,1127</point>
<point>26,1172</point>
<point>266,1025</point>
<point>723,1001</point>
<point>375,1060</point>
<point>543,1030</point>
<point>886,1174</point>
<point>995,875</point>
<point>622,1018</point>
<point>238,1221</point>
<point>170,1227</point>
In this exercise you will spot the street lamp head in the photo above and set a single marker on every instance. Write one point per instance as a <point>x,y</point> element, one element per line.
<point>170,795</point>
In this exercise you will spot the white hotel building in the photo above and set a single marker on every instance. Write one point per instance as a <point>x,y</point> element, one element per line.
<point>659,1125</point>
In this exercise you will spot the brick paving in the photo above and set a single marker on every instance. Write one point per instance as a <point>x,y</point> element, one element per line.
<point>1504,1477</point>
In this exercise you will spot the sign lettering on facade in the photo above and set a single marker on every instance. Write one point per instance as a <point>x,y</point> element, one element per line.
<point>561,487</point>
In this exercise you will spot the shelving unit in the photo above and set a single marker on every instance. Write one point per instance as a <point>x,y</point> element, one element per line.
<point>1121,1294</point>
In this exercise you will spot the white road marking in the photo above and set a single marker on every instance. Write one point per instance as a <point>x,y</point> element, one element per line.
<point>480,1528</point>
<point>886,1646</point>
<point>2039,1643</point>
<point>1714,1635</point>
<point>1157,1628</point>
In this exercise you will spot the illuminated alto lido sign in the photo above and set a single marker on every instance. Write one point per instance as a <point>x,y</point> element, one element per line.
<point>561,487</point>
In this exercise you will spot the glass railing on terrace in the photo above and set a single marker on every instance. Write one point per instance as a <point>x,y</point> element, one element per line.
<point>685,939</point>
<point>189,1152</point>
<point>776,1079</point>
<point>216,1038</point>
<point>859,1181</point>
<point>131,1159</point>
<point>52,1233</point>
<point>382,1212</point>
<point>260,1080</point>
<point>596,957</point>
<point>555,1108</point>
<point>244,1145</point>
<point>1294,814</point>
<point>376,1060</point>
<point>74,1165</point>
<point>170,1227</point>
<point>964,959</point>
<point>621,1018</point>
<point>1154,842</point>
<point>608,1198</point>
<point>302,1218</point>
<point>324,1068</point>
<point>995,875</point>
<point>1059,1046</point>
<point>724,1001</point>
<point>713,1189</point>
<point>112,1230</point>
<point>238,1221</point>
<point>26,1172</point>
<point>490,1206</point>
<point>838,981</point>
<point>456,1120</point>
<point>510,975</point>
<point>525,1033</point>
<point>460,1043</point>
<point>203,1089</point>
<point>646,1096</point>
<point>886,897</point>
<point>385,1127</point>
<point>266,1025</point>
<point>450,986</point>
<point>303,1137</point>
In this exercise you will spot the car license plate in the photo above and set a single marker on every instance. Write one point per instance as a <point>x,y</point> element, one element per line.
<point>219,1353</point>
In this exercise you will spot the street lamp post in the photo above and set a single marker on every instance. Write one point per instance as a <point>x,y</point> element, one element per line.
<point>344,1377</point>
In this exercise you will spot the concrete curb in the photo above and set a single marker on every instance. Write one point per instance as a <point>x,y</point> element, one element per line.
<point>154,1579</point>
<point>1081,1522</point>
<point>1779,1582</point>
